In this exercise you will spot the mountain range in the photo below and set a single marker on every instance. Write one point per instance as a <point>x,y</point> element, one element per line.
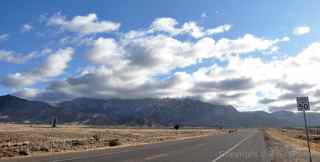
<point>147,112</point>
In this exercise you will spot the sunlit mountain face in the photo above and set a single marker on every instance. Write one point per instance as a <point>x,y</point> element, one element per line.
<point>252,55</point>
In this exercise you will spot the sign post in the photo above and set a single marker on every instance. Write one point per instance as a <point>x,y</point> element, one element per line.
<point>304,105</point>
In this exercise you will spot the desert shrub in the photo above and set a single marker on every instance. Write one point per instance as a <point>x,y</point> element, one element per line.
<point>34,148</point>
<point>7,153</point>
<point>232,130</point>
<point>75,142</point>
<point>23,152</point>
<point>54,122</point>
<point>315,138</point>
<point>300,137</point>
<point>96,137</point>
<point>114,142</point>
<point>176,127</point>
<point>44,149</point>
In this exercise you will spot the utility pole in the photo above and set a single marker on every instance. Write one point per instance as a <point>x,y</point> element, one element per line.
<point>307,133</point>
<point>304,105</point>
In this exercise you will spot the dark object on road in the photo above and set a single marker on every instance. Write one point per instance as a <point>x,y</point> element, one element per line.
<point>176,127</point>
<point>114,142</point>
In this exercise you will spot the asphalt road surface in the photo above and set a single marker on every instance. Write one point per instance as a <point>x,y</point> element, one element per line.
<point>241,146</point>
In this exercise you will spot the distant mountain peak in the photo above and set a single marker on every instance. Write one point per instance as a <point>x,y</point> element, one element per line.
<point>11,97</point>
<point>144,112</point>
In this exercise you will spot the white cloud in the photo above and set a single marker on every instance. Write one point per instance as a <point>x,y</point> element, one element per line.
<point>247,43</point>
<point>4,37</point>
<point>193,29</point>
<point>146,56</point>
<point>152,62</point>
<point>12,57</point>
<point>238,83</point>
<point>170,25</point>
<point>129,67</point>
<point>165,24</point>
<point>107,52</point>
<point>158,54</point>
<point>219,29</point>
<point>301,30</point>
<point>26,28</point>
<point>83,25</point>
<point>53,66</point>
<point>295,72</point>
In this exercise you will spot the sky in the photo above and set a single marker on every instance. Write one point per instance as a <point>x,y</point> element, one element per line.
<point>253,55</point>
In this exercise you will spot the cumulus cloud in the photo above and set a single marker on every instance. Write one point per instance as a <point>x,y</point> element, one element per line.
<point>14,58</point>
<point>53,66</point>
<point>279,82</point>
<point>293,87</point>
<point>152,62</point>
<point>150,54</point>
<point>84,25</point>
<point>170,25</point>
<point>130,67</point>
<point>101,83</point>
<point>165,24</point>
<point>219,29</point>
<point>162,53</point>
<point>247,43</point>
<point>26,28</point>
<point>301,30</point>
<point>233,84</point>
<point>106,51</point>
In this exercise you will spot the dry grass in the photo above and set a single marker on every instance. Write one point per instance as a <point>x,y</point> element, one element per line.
<point>280,151</point>
<point>292,145</point>
<point>294,137</point>
<point>25,140</point>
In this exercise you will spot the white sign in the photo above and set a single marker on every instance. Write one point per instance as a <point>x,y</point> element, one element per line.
<point>303,104</point>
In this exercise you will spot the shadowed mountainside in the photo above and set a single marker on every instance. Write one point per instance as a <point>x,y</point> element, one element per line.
<point>143,112</point>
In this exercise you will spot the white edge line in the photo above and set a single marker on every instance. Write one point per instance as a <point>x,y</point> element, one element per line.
<point>232,148</point>
<point>156,156</point>
<point>94,156</point>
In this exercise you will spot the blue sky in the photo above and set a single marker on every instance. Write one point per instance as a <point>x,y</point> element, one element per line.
<point>96,57</point>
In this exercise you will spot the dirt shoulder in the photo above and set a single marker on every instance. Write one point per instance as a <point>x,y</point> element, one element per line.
<point>25,140</point>
<point>286,147</point>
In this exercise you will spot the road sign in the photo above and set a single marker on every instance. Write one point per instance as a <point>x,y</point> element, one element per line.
<point>303,104</point>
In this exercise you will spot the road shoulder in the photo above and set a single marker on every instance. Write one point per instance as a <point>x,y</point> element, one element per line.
<point>283,148</point>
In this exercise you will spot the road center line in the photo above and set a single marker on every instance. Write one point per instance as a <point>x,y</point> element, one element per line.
<point>232,148</point>
<point>156,156</point>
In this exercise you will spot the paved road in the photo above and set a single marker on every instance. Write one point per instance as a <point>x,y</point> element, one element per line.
<point>242,146</point>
